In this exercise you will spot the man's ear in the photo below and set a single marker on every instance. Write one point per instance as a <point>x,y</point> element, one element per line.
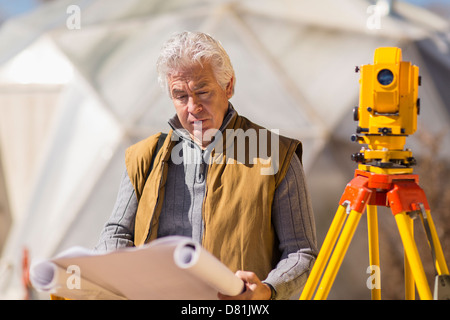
<point>230,88</point>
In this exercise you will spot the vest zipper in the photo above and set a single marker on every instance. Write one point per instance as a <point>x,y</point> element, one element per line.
<point>211,159</point>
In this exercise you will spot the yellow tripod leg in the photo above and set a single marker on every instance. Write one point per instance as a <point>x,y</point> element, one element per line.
<point>374,248</point>
<point>410,289</point>
<point>413,256</point>
<point>338,255</point>
<point>441,265</point>
<point>324,254</point>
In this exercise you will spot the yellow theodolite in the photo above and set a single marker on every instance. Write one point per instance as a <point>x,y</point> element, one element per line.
<point>388,109</point>
<point>386,115</point>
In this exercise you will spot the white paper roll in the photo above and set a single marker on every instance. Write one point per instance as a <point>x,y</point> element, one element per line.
<point>203,265</point>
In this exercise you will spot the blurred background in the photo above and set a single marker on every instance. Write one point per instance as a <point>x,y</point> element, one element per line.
<point>78,86</point>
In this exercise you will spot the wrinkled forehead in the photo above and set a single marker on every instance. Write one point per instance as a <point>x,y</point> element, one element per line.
<point>198,75</point>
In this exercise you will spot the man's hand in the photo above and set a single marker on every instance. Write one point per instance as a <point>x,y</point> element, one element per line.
<point>254,288</point>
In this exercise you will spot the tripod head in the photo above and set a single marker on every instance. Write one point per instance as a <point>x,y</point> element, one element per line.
<point>387,110</point>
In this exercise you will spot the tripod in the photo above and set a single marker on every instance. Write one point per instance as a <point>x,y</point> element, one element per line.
<point>398,189</point>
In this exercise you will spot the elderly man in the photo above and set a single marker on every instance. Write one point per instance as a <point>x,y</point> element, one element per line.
<point>193,181</point>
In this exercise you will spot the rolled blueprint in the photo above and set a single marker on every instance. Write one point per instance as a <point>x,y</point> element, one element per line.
<point>203,265</point>
<point>175,268</point>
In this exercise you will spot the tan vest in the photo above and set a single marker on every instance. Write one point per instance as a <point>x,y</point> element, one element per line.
<point>238,200</point>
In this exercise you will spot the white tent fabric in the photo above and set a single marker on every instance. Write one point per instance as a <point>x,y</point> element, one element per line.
<point>294,64</point>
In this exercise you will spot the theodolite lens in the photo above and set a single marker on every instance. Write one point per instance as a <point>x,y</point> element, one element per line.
<point>385,77</point>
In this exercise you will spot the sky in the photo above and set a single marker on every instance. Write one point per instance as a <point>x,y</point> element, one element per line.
<point>425,2</point>
<point>15,7</point>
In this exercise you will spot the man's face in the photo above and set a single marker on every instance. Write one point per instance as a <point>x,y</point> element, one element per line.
<point>200,102</point>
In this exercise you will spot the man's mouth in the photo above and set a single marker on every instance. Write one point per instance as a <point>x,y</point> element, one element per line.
<point>198,122</point>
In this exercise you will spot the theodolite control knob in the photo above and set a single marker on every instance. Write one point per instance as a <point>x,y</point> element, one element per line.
<point>358,157</point>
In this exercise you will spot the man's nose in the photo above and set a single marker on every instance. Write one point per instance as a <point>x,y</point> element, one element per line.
<point>194,105</point>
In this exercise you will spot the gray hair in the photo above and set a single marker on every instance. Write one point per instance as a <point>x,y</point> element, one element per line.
<point>185,49</point>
